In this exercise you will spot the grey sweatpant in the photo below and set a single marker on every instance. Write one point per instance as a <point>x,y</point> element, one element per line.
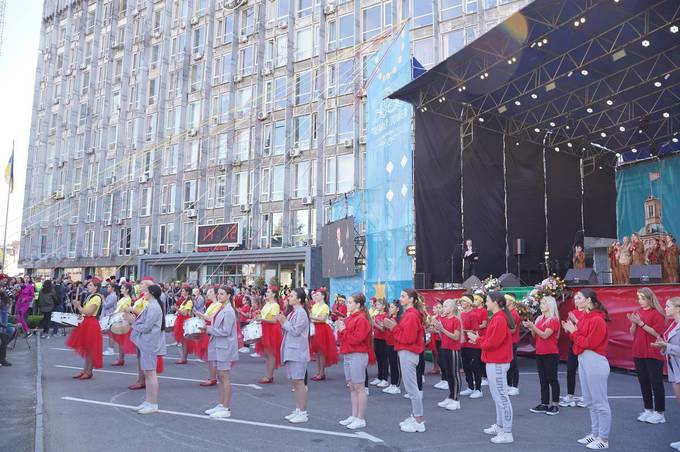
<point>408,361</point>
<point>497,375</point>
<point>593,372</point>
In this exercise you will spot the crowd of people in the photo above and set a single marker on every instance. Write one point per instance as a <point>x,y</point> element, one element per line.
<point>473,341</point>
<point>658,251</point>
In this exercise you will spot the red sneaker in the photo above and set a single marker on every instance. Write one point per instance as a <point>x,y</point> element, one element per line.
<point>136,386</point>
<point>117,363</point>
<point>208,383</point>
<point>85,377</point>
<point>266,381</point>
<point>181,361</point>
<point>79,375</point>
<point>319,377</point>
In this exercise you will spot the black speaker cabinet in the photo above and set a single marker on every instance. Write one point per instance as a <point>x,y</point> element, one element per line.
<point>645,274</point>
<point>422,280</point>
<point>509,280</point>
<point>576,276</point>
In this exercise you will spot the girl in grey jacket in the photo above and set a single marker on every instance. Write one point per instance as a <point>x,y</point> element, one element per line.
<point>670,347</point>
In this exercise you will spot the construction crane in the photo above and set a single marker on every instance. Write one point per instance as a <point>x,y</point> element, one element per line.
<point>2,22</point>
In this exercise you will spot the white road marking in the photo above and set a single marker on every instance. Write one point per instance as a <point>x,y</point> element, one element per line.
<point>167,356</point>
<point>253,386</point>
<point>632,397</point>
<point>360,435</point>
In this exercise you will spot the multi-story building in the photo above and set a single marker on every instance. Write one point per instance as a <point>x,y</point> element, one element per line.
<point>151,117</point>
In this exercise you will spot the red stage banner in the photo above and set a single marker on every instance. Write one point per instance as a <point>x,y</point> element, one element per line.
<point>619,301</point>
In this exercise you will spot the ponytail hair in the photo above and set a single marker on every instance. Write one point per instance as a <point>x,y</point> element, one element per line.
<point>302,296</point>
<point>418,303</point>
<point>155,292</point>
<point>499,299</point>
<point>597,304</point>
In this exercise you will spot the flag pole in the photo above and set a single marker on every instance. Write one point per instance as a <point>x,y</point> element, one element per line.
<point>4,241</point>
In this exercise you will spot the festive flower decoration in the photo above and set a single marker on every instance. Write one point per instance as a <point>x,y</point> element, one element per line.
<point>530,306</point>
<point>490,284</point>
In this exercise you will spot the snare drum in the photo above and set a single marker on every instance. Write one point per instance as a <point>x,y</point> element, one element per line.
<point>66,318</point>
<point>193,328</point>
<point>311,329</point>
<point>427,338</point>
<point>118,324</point>
<point>252,332</point>
<point>105,323</point>
<point>170,321</point>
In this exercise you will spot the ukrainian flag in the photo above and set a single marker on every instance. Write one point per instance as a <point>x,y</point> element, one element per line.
<point>9,172</point>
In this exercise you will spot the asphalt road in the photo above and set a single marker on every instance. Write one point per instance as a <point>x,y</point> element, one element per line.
<point>94,414</point>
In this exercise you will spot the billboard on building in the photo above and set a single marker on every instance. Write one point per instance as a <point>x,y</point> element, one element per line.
<point>217,237</point>
<point>338,248</point>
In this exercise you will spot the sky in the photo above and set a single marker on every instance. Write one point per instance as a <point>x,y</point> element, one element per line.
<point>18,59</point>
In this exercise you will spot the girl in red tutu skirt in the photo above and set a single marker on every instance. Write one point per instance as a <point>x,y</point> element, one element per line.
<point>202,347</point>
<point>86,338</point>
<point>323,341</point>
<point>269,347</point>
<point>125,345</point>
<point>184,307</point>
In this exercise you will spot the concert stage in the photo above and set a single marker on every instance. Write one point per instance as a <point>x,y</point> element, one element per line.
<point>619,300</point>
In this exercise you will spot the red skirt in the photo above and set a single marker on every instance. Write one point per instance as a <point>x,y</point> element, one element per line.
<point>202,347</point>
<point>178,331</point>
<point>323,342</point>
<point>86,340</point>
<point>159,364</point>
<point>271,341</point>
<point>123,341</point>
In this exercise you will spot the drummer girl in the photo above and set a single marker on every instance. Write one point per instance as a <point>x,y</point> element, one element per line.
<point>269,346</point>
<point>147,335</point>
<point>137,308</point>
<point>339,308</point>
<point>203,342</point>
<point>184,307</point>
<point>323,341</point>
<point>86,338</point>
<point>223,348</point>
<point>125,346</point>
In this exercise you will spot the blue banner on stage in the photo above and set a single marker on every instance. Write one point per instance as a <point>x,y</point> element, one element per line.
<point>648,200</point>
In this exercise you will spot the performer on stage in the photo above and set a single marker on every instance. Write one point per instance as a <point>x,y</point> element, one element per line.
<point>579,259</point>
<point>184,308</point>
<point>409,340</point>
<point>625,259</point>
<point>125,346</point>
<point>323,341</point>
<point>203,343</point>
<point>655,254</point>
<point>86,338</point>
<point>637,250</point>
<point>614,265</point>
<point>354,335</point>
<point>670,261</point>
<point>470,259</point>
<point>269,346</point>
<point>295,351</point>
<point>147,334</point>
<point>223,349</point>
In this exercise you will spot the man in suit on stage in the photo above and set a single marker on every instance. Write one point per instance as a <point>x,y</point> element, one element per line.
<point>470,259</point>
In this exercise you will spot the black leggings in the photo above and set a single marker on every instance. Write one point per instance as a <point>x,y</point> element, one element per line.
<point>393,360</point>
<point>420,370</point>
<point>572,369</point>
<point>450,364</point>
<point>650,375</point>
<point>546,365</point>
<point>382,358</point>
<point>472,365</point>
<point>513,372</point>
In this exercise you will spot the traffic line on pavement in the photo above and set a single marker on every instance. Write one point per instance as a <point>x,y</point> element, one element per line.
<point>632,397</point>
<point>360,435</point>
<point>253,386</point>
<point>167,356</point>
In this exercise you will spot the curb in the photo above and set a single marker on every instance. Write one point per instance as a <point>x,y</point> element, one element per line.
<point>39,422</point>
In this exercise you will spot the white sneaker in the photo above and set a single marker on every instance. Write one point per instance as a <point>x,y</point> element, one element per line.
<point>675,445</point>
<point>383,384</point>
<point>581,404</point>
<point>476,395</point>
<point>392,389</point>
<point>408,420</point>
<point>413,427</point>
<point>299,418</point>
<point>493,430</point>
<point>357,424</point>
<point>149,409</point>
<point>586,439</point>
<point>407,395</point>
<point>598,444</point>
<point>445,402</point>
<point>644,415</point>
<point>255,355</point>
<point>217,408</point>
<point>466,392</point>
<point>503,438</point>
<point>109,352</point>
<point>224,413</point>
<point>513,391</point>
<point>244,350</point>
<point>367,391</point>
<point>375,382</point>
<point>656,418</point>
<point>347,421</point>
<point>453,406</point>
<point>141,405</point>
<point>485,382</point>
<point>567,401</point>
<point>443,384</point>
<point>292,414</point>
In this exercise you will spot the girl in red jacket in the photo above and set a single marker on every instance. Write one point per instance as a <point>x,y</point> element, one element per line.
<point>354,334</point>
<point>496,345</point>
<point>450,328</point>
<point>380,344</point>
<point>590,345</point>
<point>409,341</point>
<point>647,325</point>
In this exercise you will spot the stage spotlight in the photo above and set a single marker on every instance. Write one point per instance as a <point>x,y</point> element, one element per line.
<point>657,84</point>
<point>603,135</point>
<point>534,96</point>
<point>622,129</point>
<point>481,119</point>
<point>667,76</point>
<point>552,124</point>
<point>569,144</point>
<point>514,59</point>
<point>567,127</point>
<point>674,139</point>
<point>540,44</point>
<point>570,73</point>
<point>537,130</point>
<point>557,149</point>
<point>517,142</point>
<point>545,40</point>
<point>518,103</point>
<point>674,28</point>
<point>584,72</point>
<point>618,156</point>
<point>645,43</point>
<point>576,23</point>
<point>509,61</point>
<point>583,20</point>
<point>634,151</point>
<point>610,102</point>
<point>589,110</point>
<point>666,115</point>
